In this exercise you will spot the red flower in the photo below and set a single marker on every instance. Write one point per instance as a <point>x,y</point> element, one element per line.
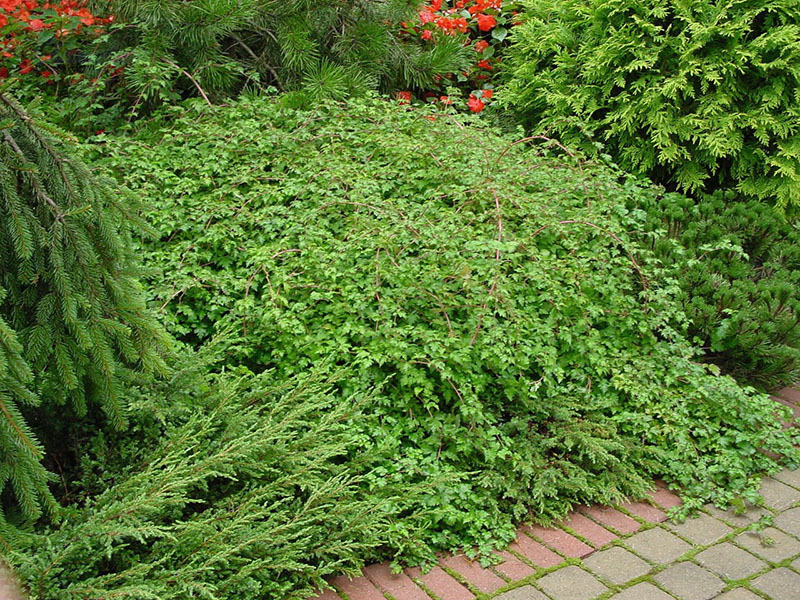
<point>426,35</point>
<point>486,22</point>
<point>475,104</point>
<point>446,100</point>
<point>404,97</point>
<point>25,66</point>
<point>3,72</point>
<point>36,25</point>
<point>486,94</point>
<point>436,5</point>
<point>484,64</point>
<point>426,17</point>
<point>45,74</point>
<point>481,45</point>
<point>3,20</point>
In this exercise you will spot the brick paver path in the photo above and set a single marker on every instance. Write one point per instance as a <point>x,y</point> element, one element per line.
<point>627,552</point>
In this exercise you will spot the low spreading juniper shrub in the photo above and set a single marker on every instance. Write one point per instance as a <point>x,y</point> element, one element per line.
<point>738,266</point>
<point>224,487</point>
<point>696,94</point>
<point>520,343</point>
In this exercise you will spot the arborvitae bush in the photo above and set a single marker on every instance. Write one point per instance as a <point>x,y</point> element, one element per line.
<point>696,94</point>
<point>522,344</point>
<point>72,315</point>
<point>738,265</point>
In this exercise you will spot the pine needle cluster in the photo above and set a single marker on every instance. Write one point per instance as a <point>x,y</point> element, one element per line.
<point>325,48</point>
<point>72,315</point>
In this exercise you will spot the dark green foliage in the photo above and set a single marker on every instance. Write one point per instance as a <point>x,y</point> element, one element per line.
<point>694,93</point>
<point>72,316</point>
<point>738,265</point>
<point>233,488</point>
<point>492,291</point>
<point>327,49</point>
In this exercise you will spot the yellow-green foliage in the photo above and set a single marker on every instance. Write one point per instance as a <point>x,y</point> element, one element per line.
<point>697,94</point>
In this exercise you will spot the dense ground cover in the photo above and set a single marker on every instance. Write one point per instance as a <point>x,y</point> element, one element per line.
<point>495,298</point>
<point>389,329</point>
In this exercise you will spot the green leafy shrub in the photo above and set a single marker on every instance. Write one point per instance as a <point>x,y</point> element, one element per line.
<point>696,94</point>
<point>73,320</point>
<point>738,265</point>
<point>230,488</point>
<point>490,290</point>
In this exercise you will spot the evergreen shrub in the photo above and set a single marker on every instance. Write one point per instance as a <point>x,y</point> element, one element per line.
<point>73,319</point>
<point>521,344</point>
<point>321,50</point>
<point>738,266</point>
<point>230,487</point>
<point>696,94</point>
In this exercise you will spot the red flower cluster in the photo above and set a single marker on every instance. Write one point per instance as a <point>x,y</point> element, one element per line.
<point>23,23</point>
<point>484,24</point>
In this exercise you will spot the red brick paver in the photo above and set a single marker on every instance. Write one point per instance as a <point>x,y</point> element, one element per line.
<point>534,551</point>
<point>611,517</point>
<point>664,498</point>
<point>398,585</point>
<point>645,511</point>
<point>586,528</point>
<point>512,567</point>
<point>790,393</point>
<point>482,579</point>
<point>359,588</point>
<point>441,584</point>
<point>559,540</point>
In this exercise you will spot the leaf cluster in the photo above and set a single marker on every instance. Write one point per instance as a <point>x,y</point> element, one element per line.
<point>321,50</point>
<point>524,342</point>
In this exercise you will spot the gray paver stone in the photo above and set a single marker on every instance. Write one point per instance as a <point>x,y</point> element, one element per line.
<point>789,521</point>
<point>778,495</point>
<point>687,581</point>
<point>770,544</point>
<point>790,477</point>
<point>729,561</point>
<point>750,515</point>
<point>702,530</point>
<point>780,584</point>
<point>738,594</point>
<point>527,592</point>
<point>642,591</point>
<point>657,545</point>
<point>571,583</point>
<point>617,565</point>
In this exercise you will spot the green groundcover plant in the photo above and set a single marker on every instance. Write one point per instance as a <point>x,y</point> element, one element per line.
<point>491,297</point>
<point>696,94</point>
